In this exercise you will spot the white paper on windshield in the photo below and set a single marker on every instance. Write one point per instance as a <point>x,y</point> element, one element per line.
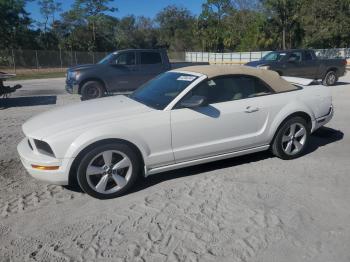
<point>186,78</point>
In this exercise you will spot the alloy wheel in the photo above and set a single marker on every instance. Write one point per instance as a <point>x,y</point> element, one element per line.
<point>294,138</point>
<point>109,171</point>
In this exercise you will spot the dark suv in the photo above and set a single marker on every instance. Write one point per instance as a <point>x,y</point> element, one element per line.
<point>121,71</point>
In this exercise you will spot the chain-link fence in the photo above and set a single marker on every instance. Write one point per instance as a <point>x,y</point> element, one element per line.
<point>14,60</point>
<point>17,60</point>
<point>39,59</point>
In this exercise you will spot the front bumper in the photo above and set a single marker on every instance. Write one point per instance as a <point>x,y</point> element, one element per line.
<point>72,87</point>
<point>30,157</point>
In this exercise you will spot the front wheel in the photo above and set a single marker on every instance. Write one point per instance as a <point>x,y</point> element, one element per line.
<point>330,79</point>
<point>291,139</point>
<point>109,170</point>
<point>92,90</point>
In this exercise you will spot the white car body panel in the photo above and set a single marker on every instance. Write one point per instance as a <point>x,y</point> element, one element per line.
<point>298,80</point>
<point>170,138</point>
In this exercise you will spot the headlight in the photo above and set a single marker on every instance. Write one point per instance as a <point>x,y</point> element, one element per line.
<point>73,75</point>
<point>266,67</point>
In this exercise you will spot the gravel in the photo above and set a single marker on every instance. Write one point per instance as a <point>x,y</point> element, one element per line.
<point>251,208</point>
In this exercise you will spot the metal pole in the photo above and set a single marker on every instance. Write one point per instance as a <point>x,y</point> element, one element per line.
<point>14,61</point>
<point>61,58</point>
<point>75,57</point>
<point>93,57</point>
<point>37,60</point>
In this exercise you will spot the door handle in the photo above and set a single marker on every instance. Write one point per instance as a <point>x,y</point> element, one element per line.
<point>251,109</point>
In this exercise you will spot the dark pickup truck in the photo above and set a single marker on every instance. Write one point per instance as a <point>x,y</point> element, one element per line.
<point>303,63</point>
<point>120,71</point>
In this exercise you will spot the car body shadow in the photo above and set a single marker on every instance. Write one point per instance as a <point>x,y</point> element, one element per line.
<point>341,83</point>
<point>320,138</point>
<point>27,101</point>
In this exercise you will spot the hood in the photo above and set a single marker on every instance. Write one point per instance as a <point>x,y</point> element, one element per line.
<point>258,63</point>
<point>82,67</point>
<point>83,115</point>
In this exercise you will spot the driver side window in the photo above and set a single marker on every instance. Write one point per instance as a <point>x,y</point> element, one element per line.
<point>126,59</point>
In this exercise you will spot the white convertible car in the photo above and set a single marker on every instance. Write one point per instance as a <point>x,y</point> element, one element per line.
<point>181,118</point>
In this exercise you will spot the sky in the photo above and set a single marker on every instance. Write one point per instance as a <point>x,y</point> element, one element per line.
<point>148,8</point>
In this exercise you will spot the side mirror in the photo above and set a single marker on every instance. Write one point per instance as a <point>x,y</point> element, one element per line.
<point>194,101</point>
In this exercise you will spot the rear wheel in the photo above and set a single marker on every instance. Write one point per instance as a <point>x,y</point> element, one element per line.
<point>92,90</point>
<point>108,171</point>
<point>291,139</point>
<point>330,79</point>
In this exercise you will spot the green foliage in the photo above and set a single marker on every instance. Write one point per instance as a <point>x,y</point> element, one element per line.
<point>223,25</point>
<point>14,26</point>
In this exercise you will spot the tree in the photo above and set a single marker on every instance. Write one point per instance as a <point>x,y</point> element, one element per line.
<point>210,23</point>
<point>89,13</point>
<point>326,24</point>
<point>284,15</point>
<point>176,28</point>
<point>15,22</point>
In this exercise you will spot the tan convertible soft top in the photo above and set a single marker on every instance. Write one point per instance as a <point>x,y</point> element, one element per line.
<point>269,77</point>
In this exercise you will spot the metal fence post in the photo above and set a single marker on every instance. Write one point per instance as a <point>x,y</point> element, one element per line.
<point>14,61</point>
<point>240,57</point>
<point>93,57</point>
<point>75,57</point>
<point>37,60</point>
<point>250,56</point>
<point>71,57</point>
<point>61,58</point>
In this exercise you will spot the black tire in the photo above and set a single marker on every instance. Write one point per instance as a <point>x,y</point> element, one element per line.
<point>92,90</point>
<point>85,162</point>
<point>279,145</point>
<point>330,78</point>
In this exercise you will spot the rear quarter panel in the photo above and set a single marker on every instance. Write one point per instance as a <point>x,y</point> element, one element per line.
<point>313,100</point>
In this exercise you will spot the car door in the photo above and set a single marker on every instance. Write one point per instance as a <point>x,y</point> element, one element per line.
<point>150,64</point>
<point>293,64</point>
<point>309,65</point>
<point>121,73</point>
<point>233,120</point>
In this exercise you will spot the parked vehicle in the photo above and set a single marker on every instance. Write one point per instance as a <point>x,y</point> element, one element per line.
<point>303,63</point>
<point>120,71</point>
<point>183,117</point>
<point>5,91</point>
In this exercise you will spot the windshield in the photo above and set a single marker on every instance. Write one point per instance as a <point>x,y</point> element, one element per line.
<point>160,91</point>
<point>274,56</point>
<point>106,59</point>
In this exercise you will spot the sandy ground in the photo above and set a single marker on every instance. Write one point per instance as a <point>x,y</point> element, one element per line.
<point>251,208</point>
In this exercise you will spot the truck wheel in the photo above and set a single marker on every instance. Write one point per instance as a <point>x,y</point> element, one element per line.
<point>330,79</point>
<point>91,90</point>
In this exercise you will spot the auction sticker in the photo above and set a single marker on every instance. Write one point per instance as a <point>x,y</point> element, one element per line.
<point>186,78</point>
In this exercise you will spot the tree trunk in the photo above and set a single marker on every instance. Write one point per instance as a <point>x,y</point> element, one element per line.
<point>284,37</point>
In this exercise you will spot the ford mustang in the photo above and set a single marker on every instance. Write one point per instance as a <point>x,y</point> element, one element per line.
<point>181,118</point>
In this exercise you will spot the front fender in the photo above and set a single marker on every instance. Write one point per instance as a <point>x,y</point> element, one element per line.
<point>100,133</point>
